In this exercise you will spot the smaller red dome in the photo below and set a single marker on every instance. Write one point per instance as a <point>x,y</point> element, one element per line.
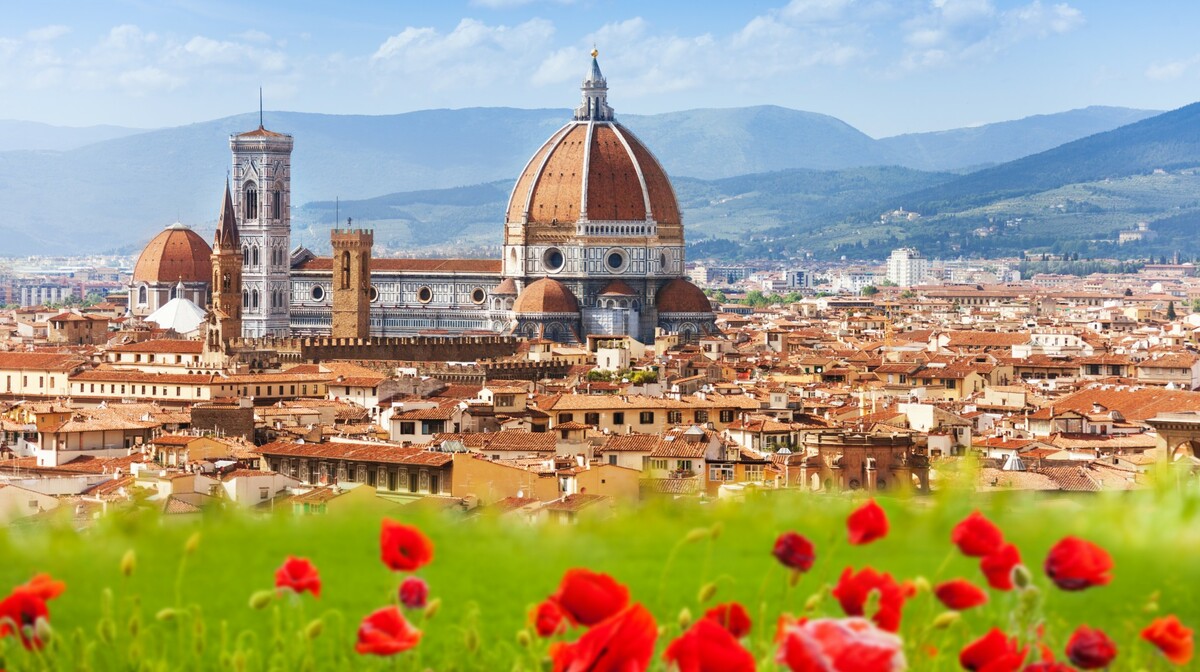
<point>681,296</point>
<point>617,288</point>
<point>546,296</point>
<point>506,288</point>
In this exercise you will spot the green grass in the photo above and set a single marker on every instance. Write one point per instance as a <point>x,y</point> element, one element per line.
<point>488,572</point>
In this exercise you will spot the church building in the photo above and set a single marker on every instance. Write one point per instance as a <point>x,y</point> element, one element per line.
<point>593,245</point>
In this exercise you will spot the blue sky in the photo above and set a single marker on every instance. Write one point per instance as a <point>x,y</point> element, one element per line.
<point>883,66</point>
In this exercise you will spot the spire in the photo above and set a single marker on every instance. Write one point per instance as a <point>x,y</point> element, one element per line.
<point>227,231</point>
<point>595,95</point>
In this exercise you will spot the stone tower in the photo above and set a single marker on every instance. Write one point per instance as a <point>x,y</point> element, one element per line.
<point>225,316</point>
<point>262,183</point>
<point>352,291</point>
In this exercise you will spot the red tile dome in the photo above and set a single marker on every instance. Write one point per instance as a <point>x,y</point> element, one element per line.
<point>176,253</point>
<point>681,296</point>
<point>546,296</point>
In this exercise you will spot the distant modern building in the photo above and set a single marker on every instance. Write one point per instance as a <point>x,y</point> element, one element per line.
<point>907,267</point>
<point>799,278</point>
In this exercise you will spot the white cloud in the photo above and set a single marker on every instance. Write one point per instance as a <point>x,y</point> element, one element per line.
<point>148,80</point>
<point>254,36</point>
<point>954,31</point>
<point>47,33</point>
<point>1171,70</point>
<point>473,53</point>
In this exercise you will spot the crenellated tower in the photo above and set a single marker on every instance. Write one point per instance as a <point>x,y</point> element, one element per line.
<point>262,179</point>
<point>352,291</point>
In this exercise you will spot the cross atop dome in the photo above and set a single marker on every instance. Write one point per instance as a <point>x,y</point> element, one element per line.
<point>595,95</point>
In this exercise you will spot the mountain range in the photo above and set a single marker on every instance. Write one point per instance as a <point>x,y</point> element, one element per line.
<point>114,194</point>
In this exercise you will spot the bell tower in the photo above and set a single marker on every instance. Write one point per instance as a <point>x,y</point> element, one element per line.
<point>262,192</point>
<point>225,314</point>
<point>352,291</point>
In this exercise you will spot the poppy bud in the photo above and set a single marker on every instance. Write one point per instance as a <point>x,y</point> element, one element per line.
<point>193,543</point>
<point>946,619</point>
<point>922,585</point>
<point>1021,577</point>
<point>42,629</point>
<point>685,618</point>
<point>261,599</point>
<point>716,529</point>
<point>707,591</point>
<point>128,563</point>
<point>471,640</point>
<point>813,602</point>
<point>432,608</point>
<point>314,628</point>
<point>523,639</point>
<point>106,630</point>
<point>698,534</point>
<point>167,614</point>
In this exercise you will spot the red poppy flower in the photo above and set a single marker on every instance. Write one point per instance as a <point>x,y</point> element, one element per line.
<point>867,523</point>
<point>853,591</point>
<point>708,647</point>
<point>839,645</point>
<point>548,619</point>
<point>588,597</point>
<point>624,642</point>
<point>993,653</point>
<point>998,567</point>
<point>731,616</point>
<point>299,575</point>
<point>794,551</point>
<point>1090,649</point>
<point>977,536</point>
<point>414,593</point>
<point>1075,564</point>
<point>960,594</point>
<point>25,606</point>
<point>1172,638</point>
<point>386,633</point>
<point>404,547</point>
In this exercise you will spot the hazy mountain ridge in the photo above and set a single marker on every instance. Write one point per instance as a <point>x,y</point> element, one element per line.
<point>115,194</point>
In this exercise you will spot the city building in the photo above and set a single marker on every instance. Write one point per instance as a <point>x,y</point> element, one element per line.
<point>907,268</point>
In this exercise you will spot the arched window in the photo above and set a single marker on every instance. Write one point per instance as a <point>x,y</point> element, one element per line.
<point>277,203</point>
<point>251,202</point>
<point>142,294</point>
<point>345,270</point>
<point>254,255</point>
<point>254,299</point>
<point>226,282</point>
<point>245,255</point>
<point>245,299</point>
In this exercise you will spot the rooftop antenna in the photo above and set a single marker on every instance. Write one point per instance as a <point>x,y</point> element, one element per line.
<point>260,115</point>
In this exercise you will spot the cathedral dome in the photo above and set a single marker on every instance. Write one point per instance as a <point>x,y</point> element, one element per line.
<point>546,296</point>
<point>593,170</point>
<point>176,253</point>
<point>681,296</point>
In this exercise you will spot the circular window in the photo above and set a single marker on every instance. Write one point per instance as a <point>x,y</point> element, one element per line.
<point>552,259</point>
<point>374,294</point>
<point>318,293</point>
<point>478,295</point>
<point>424,295</point>
<point>615,261</point>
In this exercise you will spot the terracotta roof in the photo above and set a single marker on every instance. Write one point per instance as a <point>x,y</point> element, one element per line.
<point>38,361</point>
<point>546,296</point>
<point>122,376</point>
<point>261,132</point>
<point>1135,403</point>
<point>157,345</point>
<point>681,296</point>
<point>630,443</point>
<point>386,265</point>
<point>358,452</point>
<point>176,253</point>
<point>505,441</point>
